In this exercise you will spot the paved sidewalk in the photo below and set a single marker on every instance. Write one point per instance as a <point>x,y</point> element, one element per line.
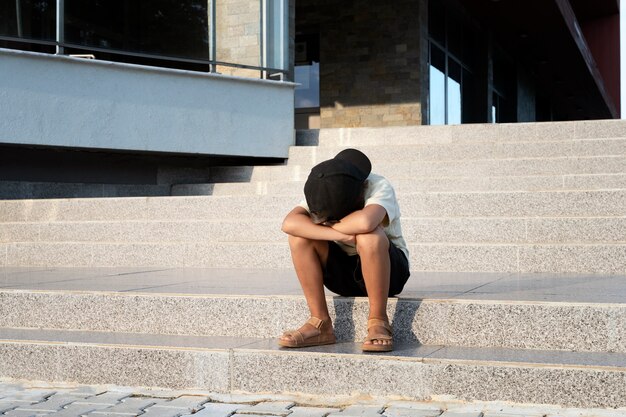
<point>29,400</point>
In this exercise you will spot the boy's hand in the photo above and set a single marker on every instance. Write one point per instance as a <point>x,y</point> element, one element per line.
<point>349,240</point>
<point>299,223</point>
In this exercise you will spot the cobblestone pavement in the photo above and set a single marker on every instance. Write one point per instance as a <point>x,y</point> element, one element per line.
<point>29,400</point>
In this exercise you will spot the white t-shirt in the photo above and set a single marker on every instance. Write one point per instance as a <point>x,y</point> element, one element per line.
<point>378,190</point>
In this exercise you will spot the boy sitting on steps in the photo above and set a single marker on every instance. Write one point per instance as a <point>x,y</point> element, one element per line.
<point>347,237</point>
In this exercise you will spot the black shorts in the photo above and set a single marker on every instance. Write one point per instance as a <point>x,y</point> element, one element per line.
<point>343,276</point>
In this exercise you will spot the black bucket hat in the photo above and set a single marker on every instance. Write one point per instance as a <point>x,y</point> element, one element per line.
<point>334,186</point>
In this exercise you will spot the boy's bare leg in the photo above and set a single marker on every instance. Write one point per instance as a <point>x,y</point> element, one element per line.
<point>373,250</point>
<point>308,257</point>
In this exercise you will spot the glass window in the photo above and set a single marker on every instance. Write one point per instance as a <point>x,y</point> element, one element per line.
<point>277,34</point>
<point>470,109</point>
<point>29,19</point>
<point>160,27</point>
<point>454,92</point>
<point>437,21</point>
<point>452,60</point>
<point>307,94</point>
<point>455,37</point>
<point>437,86</point>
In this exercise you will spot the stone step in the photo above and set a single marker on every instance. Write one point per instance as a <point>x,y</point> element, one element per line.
<point>10,190</point>
<point>310,155</point>
<point>415,230</point>
<point>436,184</point>
<point>437,309</point>
<point>234,365</point>
<point>610,203</point>
<point>461,257</point>
<point>505,132</point>
<point>559,166</point>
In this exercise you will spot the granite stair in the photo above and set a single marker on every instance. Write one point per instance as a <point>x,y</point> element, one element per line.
<point>517,235</point>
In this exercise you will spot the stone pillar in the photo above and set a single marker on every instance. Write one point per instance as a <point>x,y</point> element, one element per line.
<point>238,36</point>
<point>370,65</point>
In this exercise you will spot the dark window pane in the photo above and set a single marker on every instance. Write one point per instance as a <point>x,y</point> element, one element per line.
<point>503,74</point>
<point>455,37</point>
<point>160,27</point>
<point>471,106</point>
<point>437,21</point>
<point>470,48</point>
<point>29,19</point>
<point>437,58</point>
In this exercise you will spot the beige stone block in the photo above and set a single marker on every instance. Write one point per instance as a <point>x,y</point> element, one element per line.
<point>236,30</point>
<point>248,18</point>
<point>253,54</point>
<point>248,40</point>
<point>237,7</point>
<point>226,42</point>
<point>252,28</point>
<point>393,117</point>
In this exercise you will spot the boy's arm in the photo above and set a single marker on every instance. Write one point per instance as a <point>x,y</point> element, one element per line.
<point>361,221</point>
<point>298,223</point>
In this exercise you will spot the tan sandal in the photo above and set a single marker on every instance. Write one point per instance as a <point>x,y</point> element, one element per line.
<point>388,335</point>
<point>300,341</point>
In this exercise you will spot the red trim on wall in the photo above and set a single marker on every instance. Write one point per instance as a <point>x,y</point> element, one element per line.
<point>602,36</point>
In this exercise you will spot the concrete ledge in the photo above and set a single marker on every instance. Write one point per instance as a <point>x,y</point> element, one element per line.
<point>425,378</point>
<point>307,155</point>
<point>71,102</point>
<point>607,258</point>
<point>459,168</point>
<point>572,230</point>
<point>12,190</point>
<point>414,372</point>
<point>418,204</point>
<point>591,327</point>
<point>502,132</point>
<point>130,365</point>
<point>406,185</point>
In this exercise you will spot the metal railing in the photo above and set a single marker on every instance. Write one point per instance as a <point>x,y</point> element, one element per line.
<point>265,72</point>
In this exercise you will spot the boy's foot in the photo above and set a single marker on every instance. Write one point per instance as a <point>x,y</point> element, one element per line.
<point>379,336</point>
<point>314,332</point>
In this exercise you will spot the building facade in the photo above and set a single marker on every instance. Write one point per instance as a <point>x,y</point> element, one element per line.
<point>450,62</point>
<point>199,79</point>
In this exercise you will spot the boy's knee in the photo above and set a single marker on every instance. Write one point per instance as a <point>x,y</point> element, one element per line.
<point>373,242</point>
<point>296,242</point>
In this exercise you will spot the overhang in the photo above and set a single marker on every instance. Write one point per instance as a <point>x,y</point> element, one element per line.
<point>66,102</point>
<point>545,37</point>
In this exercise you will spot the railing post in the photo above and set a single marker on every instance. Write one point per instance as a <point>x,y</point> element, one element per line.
<point>212,35</point>
<point>60,27</point>
<point>262,37</point>
<point>18,18</point>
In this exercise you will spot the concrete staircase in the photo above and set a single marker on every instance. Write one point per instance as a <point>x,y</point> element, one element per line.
<point>517,236</point>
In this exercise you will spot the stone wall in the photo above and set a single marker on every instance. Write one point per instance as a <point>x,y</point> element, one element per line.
<point>370,61</point>
<point>238,36</point>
